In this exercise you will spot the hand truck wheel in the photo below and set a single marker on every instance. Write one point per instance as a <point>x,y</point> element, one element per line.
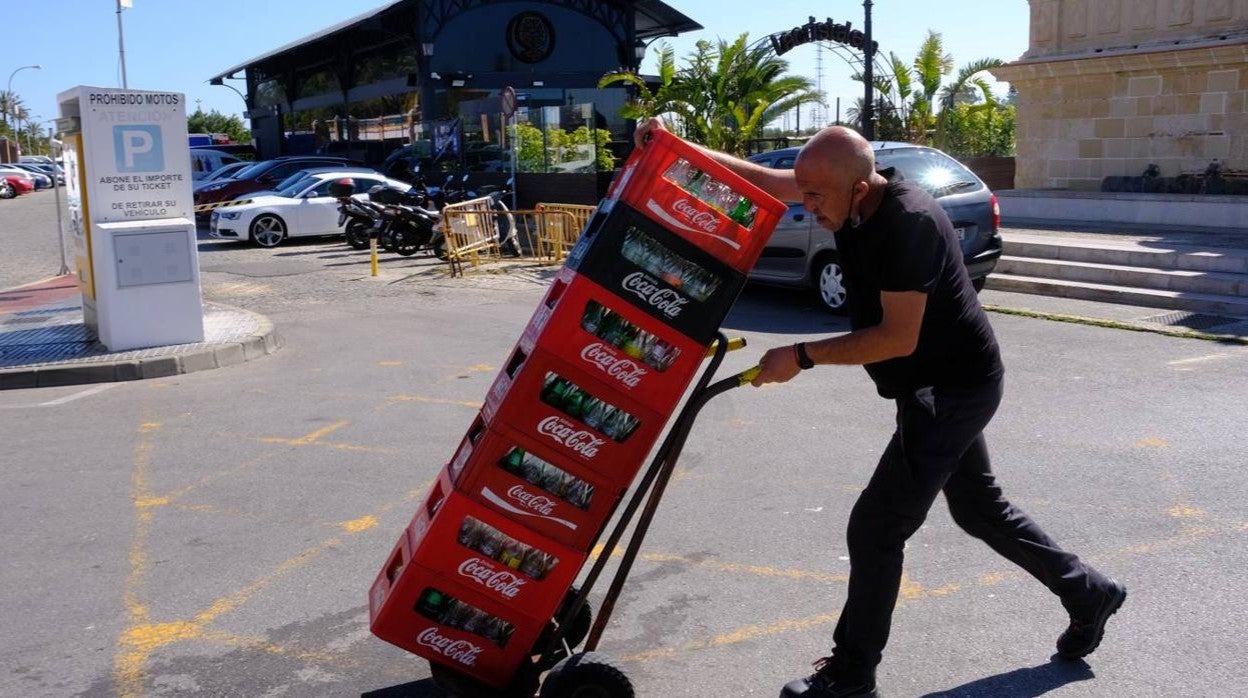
<point>575,634</point>
<point>524,685</point>
<point>587,675</point>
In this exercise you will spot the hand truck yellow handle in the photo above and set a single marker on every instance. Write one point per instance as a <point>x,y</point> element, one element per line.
<point>733,344</point>
<point>749,374</point>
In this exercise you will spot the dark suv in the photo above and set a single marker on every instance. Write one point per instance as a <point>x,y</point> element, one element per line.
<point>803,254</point>
<point>264,175</point>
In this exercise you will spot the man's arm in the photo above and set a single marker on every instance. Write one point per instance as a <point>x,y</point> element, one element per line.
<point>897,335</point>
<point>779,183</point>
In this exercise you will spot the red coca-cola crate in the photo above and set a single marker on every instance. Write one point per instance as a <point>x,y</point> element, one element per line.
<point>557,497</point>
<point>583,323</point>
<point>666,276</point>
<point>490,553</point>
<point>428,614</point>
<point>611,434</point>
<point>648,181</point>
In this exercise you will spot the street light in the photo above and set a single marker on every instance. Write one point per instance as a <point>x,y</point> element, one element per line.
<point>8,107</point>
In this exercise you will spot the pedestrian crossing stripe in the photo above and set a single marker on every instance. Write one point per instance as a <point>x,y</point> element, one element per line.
<point>200,208</point>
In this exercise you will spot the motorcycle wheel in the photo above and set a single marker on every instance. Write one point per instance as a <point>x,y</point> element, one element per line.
<point>357,235</point>
<point>405,245</point>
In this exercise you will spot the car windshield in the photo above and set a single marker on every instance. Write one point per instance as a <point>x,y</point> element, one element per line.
<point>293,188</point>
<point>936,172</point>
<point>296,177</point>
<point>254,170</point>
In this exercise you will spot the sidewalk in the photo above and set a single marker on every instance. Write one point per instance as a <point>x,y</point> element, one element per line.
<point>43,341</point>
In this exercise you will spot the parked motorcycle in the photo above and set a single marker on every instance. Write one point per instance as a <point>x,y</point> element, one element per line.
<point>394,218</point>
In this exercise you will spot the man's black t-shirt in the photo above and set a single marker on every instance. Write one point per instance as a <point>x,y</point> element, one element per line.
<point>908,244</point>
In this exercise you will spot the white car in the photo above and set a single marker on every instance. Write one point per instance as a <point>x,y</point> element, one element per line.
<point>305,209</point>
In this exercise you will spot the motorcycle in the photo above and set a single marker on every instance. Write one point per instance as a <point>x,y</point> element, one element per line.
<point>395,219</point>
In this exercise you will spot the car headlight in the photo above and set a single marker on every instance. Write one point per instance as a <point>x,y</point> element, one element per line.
<point>229,215</point>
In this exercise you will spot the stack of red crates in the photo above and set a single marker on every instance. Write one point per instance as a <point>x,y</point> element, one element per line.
<point>572,417</point>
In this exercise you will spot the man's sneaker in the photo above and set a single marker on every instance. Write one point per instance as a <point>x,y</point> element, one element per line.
<point>832,681</point>
<point>1084,633</point>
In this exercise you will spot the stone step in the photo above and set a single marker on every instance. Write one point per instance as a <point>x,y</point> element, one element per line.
<point>1146,254</point>
<point>1229,306</point>
<point>1178,280</point>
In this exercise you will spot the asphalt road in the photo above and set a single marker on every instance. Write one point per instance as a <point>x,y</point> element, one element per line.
<point>216,533</point>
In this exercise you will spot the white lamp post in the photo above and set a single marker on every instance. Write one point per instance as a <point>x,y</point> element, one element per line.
<point>9,93</point>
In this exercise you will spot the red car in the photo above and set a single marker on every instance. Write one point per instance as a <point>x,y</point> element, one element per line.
<point>12,185</point>
<point>262,175</point>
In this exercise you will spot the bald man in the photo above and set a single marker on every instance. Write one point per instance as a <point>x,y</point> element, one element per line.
<point>924,339</point>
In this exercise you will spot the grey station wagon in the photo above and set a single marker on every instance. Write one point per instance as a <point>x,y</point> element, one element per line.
<point>802,254</point>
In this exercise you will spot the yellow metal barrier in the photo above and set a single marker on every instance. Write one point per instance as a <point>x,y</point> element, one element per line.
<point>557,234</point>
<point>221,204</point>
<point>544,234</point>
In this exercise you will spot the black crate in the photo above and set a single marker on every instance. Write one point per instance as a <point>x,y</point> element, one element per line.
<point>669,278</point>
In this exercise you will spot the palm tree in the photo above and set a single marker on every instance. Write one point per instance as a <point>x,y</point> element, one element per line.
<point>9,104</point>
<point>648,103</point>
<point>931,65</point>
<point>967,87</point>
<point>724,95</point>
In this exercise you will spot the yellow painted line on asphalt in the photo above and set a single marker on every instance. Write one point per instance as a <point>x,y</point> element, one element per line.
<point>739,635</point>
<point>361,524</point>
<point>1185,511</point>
<point>435,401</point>
<point>1151,442</point>
<point>133,644</point>
<point>389,363</point>
<point>479,368</point>
<point>320,433</point>
<point>1199,359</point>
<point>324,444</point>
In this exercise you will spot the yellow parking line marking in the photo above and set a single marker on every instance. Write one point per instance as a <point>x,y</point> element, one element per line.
<point>1198,359</point>
<point>435,401</point>
<point>323,444</point>
<point>1151,442</point>
<point>479,368</point>
<point>132,643</point>
<point>361,524</point>
<point>320,433</point>
<point>749,632</point>
<point>389,363</point>
<point>1185,511</point>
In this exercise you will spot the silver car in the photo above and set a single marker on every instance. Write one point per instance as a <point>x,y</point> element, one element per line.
<point>802,254</point>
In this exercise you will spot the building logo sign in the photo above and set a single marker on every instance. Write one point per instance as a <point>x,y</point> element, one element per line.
<point>530,37</point>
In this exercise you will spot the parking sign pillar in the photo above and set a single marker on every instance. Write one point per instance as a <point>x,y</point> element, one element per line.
<point>128,180</point>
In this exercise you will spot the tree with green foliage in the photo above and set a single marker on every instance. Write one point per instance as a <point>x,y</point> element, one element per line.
<point>723,97</point>
<point>216,122</point>
<point>916,104</point>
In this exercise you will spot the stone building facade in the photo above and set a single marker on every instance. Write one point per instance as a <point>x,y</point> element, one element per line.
<point>1108,87</point>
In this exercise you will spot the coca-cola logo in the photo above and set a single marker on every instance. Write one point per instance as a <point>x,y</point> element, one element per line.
<point>579,440</point>
<point>540,503</point>
<point>501,582</point>
<point>621,368</point>
<point>664,300</point>
<point>460,651</point>
<point>706,223</point>
<point>703,219</point>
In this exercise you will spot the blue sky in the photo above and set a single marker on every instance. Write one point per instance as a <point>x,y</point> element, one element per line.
<point>178,44</point>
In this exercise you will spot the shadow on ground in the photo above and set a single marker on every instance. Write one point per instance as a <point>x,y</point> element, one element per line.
<point>1027,682</point>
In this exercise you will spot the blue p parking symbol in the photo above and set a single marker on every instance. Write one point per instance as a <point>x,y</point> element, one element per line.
<point>138,148</point>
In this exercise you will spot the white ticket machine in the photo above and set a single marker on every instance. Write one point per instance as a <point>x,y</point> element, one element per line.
<point>131,213</point>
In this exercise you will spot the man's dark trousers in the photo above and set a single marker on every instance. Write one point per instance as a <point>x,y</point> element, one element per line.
<point>939,446</point>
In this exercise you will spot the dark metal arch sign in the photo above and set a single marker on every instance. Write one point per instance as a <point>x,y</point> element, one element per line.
<point>827,30</point>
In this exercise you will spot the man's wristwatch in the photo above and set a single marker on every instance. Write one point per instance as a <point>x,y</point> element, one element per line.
<point>803,359</point>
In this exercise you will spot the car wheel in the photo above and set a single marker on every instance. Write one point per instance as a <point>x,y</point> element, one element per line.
<point>978,284</point>
<point>268,230</point>
<point>830,283</point>
<point>6,191</point>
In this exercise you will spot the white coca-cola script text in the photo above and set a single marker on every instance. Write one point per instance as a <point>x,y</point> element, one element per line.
<point>621,368</point>
<point>645,287</point>
<point>501,582</point>
<point>579,440</point>
<point>460,651</point>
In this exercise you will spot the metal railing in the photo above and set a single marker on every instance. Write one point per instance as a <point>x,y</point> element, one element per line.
<point>544,234</point>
